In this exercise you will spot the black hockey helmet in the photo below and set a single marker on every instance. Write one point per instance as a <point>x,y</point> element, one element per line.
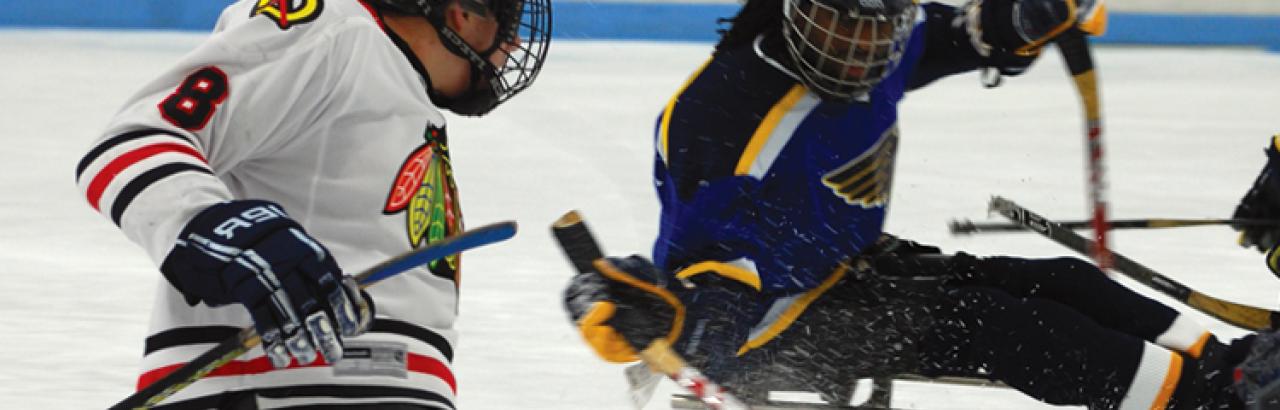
<point>843,48</point>
<point>524,36</point>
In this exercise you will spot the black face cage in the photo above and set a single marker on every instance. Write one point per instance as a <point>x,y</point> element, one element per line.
<point>842,52</point>
<point>524,36</point>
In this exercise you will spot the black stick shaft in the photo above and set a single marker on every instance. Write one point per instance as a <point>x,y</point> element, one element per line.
<point>968,226</point>
<point>577,242</point>
<point>1239,315</point>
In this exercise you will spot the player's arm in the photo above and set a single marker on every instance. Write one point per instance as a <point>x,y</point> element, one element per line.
<point>1005,35</point>
<point>155,175</point>
<point>1262,201</point>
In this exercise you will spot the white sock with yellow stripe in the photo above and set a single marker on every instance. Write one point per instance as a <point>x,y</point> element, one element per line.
<point>1185,335</point>
<point>1154,382</point>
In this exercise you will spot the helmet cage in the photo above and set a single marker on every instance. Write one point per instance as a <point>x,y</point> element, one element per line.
<point>842,51</point>
<point>523,38</point>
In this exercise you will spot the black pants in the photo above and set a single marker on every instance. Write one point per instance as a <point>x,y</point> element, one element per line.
<point>1056,329</point>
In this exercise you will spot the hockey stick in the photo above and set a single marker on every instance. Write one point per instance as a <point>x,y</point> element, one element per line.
<point>1239,315</point>
<point>961,227</point>
<point>582,250</point>
<point>233,347</point>
<point>1075,51</point>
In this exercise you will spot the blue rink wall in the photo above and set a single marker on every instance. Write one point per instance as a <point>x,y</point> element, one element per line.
<point>627,21</point>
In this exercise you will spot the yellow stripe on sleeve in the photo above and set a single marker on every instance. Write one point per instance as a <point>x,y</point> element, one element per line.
<point>765,129</point>
<point>739,274</point>
<point>664,129</point>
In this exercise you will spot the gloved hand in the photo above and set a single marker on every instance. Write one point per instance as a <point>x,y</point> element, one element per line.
<point>250,252</point>
<point>1010,33</point>
<point>889,243</point>
<point>1262,202</point>
<point>626,306</point>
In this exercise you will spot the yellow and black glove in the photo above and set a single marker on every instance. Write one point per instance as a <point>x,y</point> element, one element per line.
<point>1011,33</point>
<point>623,306</point>
<point>1263,202</point>
<point>626,304</point>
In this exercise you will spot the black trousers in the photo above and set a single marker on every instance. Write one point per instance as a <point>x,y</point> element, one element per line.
<point>1056,329</point>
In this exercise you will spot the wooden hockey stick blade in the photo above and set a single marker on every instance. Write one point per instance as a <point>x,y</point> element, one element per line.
<point>231,348</point>
<point>583,251</point>
<point>1236,314</point>
<point>966,226</point>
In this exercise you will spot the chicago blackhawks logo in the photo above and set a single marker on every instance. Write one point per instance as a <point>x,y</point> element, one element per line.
<point>865,180</point>
<point>425,191</point>
<point>286,13</point>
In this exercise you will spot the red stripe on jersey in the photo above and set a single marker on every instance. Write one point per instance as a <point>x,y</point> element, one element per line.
<point>432,366</point>
<point>108,173</point>
<point>416,363</point>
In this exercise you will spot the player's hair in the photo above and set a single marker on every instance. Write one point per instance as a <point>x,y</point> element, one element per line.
<point>756,17</point>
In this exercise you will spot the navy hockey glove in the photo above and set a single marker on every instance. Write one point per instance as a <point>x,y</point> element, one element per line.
<point>1010,33</point>
<point>1262,202</point>
<point>250,252</point>
<point>626,306</point>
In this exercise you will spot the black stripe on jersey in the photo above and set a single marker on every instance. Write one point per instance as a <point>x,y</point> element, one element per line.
<point>408,329</point>
<point>120,139</point>
<point>188,336</point>
<point>215,334</point>
<point>145,180</point>
<point>245,399</point>
<point>369,406</point>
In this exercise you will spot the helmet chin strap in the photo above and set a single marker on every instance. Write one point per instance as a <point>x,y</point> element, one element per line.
<point>480,96</point>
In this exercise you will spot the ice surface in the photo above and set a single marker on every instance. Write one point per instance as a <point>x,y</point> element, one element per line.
<point>1185,130</point>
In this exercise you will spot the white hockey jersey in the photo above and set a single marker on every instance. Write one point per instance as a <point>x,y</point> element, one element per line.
<point>324,111</point>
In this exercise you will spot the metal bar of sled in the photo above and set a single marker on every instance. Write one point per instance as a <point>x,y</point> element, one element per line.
<point>880,399</point>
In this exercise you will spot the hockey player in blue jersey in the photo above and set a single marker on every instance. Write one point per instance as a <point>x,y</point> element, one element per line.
<point>773,166</point>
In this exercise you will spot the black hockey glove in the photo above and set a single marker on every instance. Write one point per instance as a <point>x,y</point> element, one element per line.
<point>1010,33</point>
<point>627,305</point>
<point>1262,202</point>
<point>250,252</point>
<point>889,243</point>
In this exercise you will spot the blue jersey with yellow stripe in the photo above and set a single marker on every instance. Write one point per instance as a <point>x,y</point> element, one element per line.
<point>763,181</point>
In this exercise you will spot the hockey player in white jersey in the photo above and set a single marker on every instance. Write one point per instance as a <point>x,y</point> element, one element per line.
<point>302,140</point>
